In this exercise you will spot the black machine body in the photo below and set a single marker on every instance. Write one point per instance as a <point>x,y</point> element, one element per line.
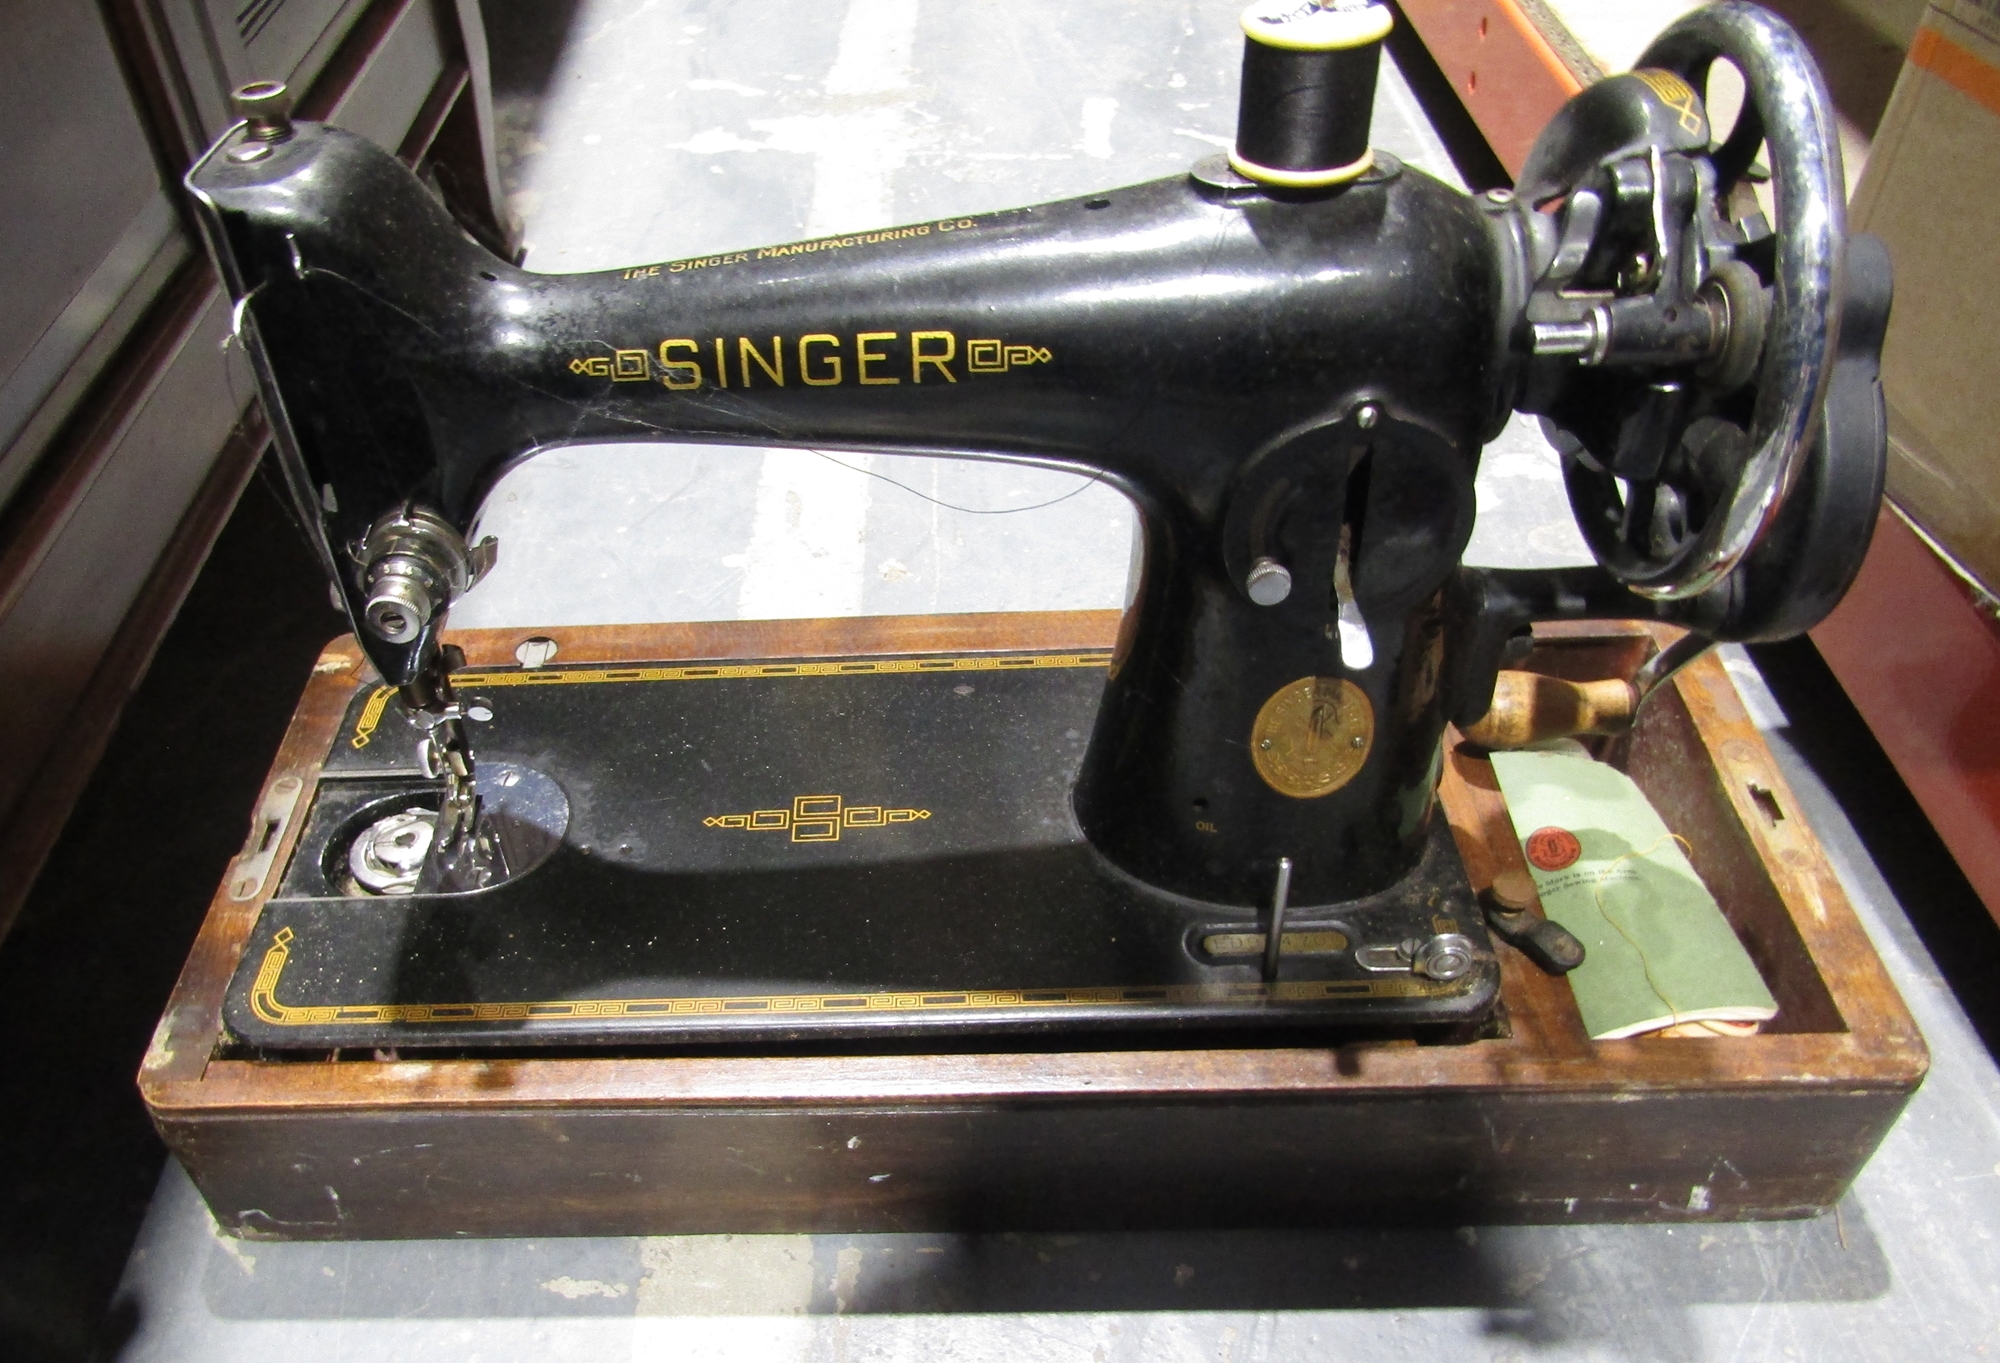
<point>1289,360</point>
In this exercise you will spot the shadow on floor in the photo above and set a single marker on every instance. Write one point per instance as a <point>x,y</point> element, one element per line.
<point>87,969</point>
<point>1532,1279</point>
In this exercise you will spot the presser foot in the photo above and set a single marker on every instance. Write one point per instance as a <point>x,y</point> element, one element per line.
<point>447,757</point>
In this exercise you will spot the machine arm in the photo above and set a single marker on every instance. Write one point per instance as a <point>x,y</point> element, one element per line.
<point>1289,361</point>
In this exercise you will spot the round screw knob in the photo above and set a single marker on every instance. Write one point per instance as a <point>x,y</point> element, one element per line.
<point>265,106</point>
<point>399,602</point>
<point>1445,956</point>
<point>1268,582</point>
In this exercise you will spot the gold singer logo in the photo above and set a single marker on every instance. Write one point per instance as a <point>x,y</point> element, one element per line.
<point>820,360</point>
<point>816,818</point>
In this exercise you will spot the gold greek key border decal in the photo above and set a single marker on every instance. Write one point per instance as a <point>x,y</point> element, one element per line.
<point>816,818</point>
<point>997,357</point>
<point>371,713</point>
<point>833,667</point>
<point>264,999</point>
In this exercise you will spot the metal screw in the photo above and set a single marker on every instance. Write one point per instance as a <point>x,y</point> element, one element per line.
<point>1357,742</point>
<point>1499,198</point>
<point>1268,582</point>
<point>1640,273</point>
<point>265,106</point>
<point>1368,416</point>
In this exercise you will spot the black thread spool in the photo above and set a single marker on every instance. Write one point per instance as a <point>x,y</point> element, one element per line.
<point>1308,97</point>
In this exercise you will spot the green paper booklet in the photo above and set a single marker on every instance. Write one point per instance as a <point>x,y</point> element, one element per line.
<point>1658,950</point>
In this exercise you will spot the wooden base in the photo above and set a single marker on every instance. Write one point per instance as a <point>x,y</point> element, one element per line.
<point>1541,1125</point>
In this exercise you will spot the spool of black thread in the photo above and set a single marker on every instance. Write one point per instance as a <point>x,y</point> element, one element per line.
<point>1308,98</point>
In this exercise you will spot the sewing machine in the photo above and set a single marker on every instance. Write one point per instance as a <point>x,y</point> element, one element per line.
<point>1289,359</point>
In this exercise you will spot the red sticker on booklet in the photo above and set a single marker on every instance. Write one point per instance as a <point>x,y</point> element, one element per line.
<point>1552,849</point>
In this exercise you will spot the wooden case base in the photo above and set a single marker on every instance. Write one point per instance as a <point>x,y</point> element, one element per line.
<point>1540,1125</point>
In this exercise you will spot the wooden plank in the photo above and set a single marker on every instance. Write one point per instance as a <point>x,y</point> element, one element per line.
<point>1541,1124</point>
<point>1064,1164</point>
<point>1510,71</point>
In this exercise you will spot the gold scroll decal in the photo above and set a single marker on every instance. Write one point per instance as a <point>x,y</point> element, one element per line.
<point>1312,736</point>
<point>1676,94</point>
<point>997,357</point>
<point>371,717</point>
<point>816,818</point>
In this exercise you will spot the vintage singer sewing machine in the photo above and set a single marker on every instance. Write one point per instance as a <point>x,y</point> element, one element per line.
<point>1289,359</point>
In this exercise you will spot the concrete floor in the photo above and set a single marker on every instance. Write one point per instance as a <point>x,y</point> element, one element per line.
<point>667,128</point>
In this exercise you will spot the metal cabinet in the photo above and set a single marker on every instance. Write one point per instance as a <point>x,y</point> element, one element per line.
<point>226,43</point>
<point>124,439</point>
<point>87,230</point>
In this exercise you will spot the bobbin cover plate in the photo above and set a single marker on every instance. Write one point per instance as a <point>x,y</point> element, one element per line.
<point>1314,27</point>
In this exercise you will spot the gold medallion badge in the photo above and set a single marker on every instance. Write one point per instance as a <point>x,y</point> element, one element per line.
<point>1312,736</point>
